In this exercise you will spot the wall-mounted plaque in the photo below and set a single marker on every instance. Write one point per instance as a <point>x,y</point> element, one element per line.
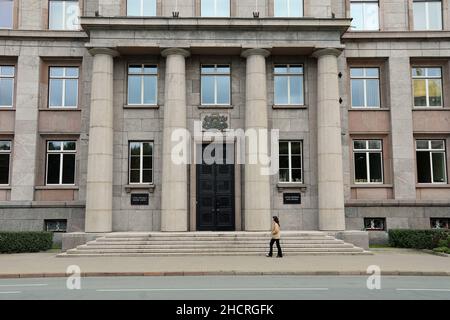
<point>292,198</point>
<point>139,199</point>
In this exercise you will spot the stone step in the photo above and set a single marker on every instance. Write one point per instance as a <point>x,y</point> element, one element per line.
<point>211,234</point>
<point>267,238</point>
<point>219,242</point>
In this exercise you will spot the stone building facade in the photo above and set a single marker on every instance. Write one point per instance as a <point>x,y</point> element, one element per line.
<point>88,106</point>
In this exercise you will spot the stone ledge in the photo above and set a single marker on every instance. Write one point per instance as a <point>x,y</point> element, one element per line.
<point>396,203</point>
<point>148,187</point>
<point>299,106</point>
<point>355,186</point>
<point>395,35</point>
<point>286,185</point>
<point>41,204</point>
<point>141,106</point>
<point>50,34</point>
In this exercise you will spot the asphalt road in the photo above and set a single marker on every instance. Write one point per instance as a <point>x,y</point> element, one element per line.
<point>227,288</point>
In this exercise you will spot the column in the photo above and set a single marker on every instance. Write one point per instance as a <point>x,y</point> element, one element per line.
<point>257,211</point>
<point>329,143</point>
<point>174,193</point>
<point>100,152</point>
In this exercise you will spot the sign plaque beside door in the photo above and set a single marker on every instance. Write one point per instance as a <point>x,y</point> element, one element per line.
<point>139,199</point>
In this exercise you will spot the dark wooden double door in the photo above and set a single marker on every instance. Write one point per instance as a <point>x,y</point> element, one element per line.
<point>215,193</point>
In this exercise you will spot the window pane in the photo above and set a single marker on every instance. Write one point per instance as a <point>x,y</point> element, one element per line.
<point>296,175</point>
<point>295,148</point>
<point>149,8</point>
<point>372,72</point>
<point>356,72</point>
<point>53,168</point>
<point>69,146</point>
<point>284,175</point>
<point>281,69</point>
<point>359,144</point>
<point>5,145</point>
<point>438,166</point>
<point>208,69</point>
<point>135,163</point>
<point>296,162</point>
<point>4,168</point>
<point>375,163</point>
<point>435,92</point>
<point>296,84</point>
<point>283,147</point>
<point>56,92</point>
<point>6,14</point>
<point>423,167</point>
<point>371,16</point>
<point>147,176</point>
<point>356,12</point>
<point>68,169</point>
<point>135,176</point>
<point>6,92</point>
<point>422,144</point>
<point>72,72</point>
<point>208,90</point>
<point>147,163</point>
<point>374,144</point>
<point>148,149</point>
<point>135,69</point>
<point>135,149</point>
<point>284,162</point>
<point>150,89</point>
<point>372,94</point>
<point>223,69</point>
<point>420,99</point>
<point>357,93</point>
<point>54,145</point>
<point>435,15</point>
<point>133,7</point>
<point>223,8</point>
<point>296,8</point>
<point>134,89</point>
<point>434,72</point>
<point>56,72</point>
<point>56,15</point>
<point>420,22</point>
<point>207,8</point>
<point>418,72</point>
<point>437,144</point>
<point>281,8</point>
<point>71,93</point>
<point>360,167</point>
<point>281,90</point>
<point>223,90</point>
<point>72,13</point>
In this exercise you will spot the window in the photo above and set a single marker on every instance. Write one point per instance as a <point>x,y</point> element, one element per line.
<point>61,162</point>
<point>288,8</point>
<point>431,164</point>
<point>216,84</point>
<point>141,8</point>
<point>440,223</point>
<point>364,14</point>
<point>368,157</point>
<point>375,224</point>
<point>427,14</point>
<point>6,14</point>
<point>288,82</point>
<point>142,84</point>
<point>6,86</point>
<point>63,87</point>
<point>141,162</point>
<point>215,8</point>
<point>365,87</point>
<point>63,15</point>
<point>427,83</point>
<point>5,159</point>
<point>55,225</point>
<point>291,161</point>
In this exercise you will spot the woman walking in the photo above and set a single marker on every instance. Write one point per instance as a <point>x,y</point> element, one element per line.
<point>275,238</point>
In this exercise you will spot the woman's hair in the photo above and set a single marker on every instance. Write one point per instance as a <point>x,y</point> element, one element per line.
<point>277,221</point>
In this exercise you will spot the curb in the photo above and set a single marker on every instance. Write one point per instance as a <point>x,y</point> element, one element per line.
<point>441,254</point>
<point>224,273</point>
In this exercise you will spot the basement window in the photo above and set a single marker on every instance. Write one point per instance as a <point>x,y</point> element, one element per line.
<point>55,225</point>
<point>440,223</point>
<point>375,224</point>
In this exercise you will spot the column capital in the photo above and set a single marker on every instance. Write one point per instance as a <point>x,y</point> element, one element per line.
<point>327,52</point>
<point>107,51</point>
<point>255,51</point>
<point>175,51</point>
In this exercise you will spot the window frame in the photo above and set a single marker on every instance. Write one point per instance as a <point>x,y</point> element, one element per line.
<point>427,16</point>
<point>302,14</point>
<point>13,77</point>
<point>141,163</point>
<point>215,10</point>
<point>142,75</point>
<point>63,78</point>
<point>447,220</point>
<point>365,78</point>
<point>290,168</point>
<point>383,219</point>
<point>9,154</point>
<point>141,13</point>
<point>61,154</point>
<point>289,75</point>
<point>363,3</point>
<point>215,75</point>
<point>367,152</point>
<point>427,78</point>
<point>430,150</point>
<point>78,26</point>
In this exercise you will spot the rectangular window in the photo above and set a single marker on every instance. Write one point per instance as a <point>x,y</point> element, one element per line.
<point>427,83</point>
<point>55,225</point>
<point>63,87</point>
<point>365,87</point>
<point>368,157</point>
<point>215,8</point>
<point>6,14</point>
<point>375,224</point>
<point>431,161</point>
<point>216,84</point>
<point>288,8</point>
<point>365,15</point>
<point>291,161</point>
<point>7,86</point>
<point>141,162</point>
<point>5,160</point>
<point>142,84</point>
<point>63,15</point>
<point>427,14</point>
<point>440,223</point>
<point>288,84</point>
<point>61,162</point>
<point>141,8</point>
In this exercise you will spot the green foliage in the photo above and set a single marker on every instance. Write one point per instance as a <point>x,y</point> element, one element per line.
<point>19,242</point>
<point>442,250</point>
<point>417,239</point>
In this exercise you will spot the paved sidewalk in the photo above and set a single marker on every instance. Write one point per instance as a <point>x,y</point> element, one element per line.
<point>391,262</point>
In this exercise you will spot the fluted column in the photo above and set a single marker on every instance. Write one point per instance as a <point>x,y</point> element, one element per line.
<point>174,194</point>
<point>329,144</point>
<point>257,186</point>
<point>100,154</point>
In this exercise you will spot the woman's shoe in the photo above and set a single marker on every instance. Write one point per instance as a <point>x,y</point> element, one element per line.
<point>279,256</point>
<point>268,255</point>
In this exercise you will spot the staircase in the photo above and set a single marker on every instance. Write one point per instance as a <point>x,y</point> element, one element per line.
<point>210,244</point>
